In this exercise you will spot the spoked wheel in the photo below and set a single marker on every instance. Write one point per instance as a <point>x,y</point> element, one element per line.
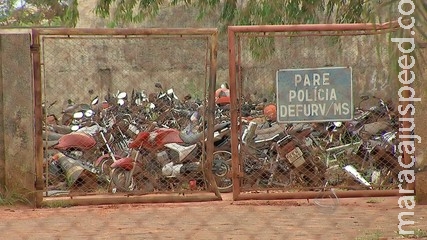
<point>122,180</point>
<point>105,169</point>
<point>222,171</point>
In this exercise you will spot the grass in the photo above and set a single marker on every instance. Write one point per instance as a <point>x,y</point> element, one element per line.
<point>56,204</point>
<point>370,236</point>
<point>11,198</point>
<point>418,233</point>
<point>375,200</point>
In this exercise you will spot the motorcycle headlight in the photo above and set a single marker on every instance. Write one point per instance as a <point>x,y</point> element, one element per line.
<point>89,113</point>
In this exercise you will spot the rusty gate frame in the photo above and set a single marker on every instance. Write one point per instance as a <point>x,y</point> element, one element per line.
<point>234,68</point>
<point>37,33</point>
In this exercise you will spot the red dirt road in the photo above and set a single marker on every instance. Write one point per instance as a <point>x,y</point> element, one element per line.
<point>362,219</point>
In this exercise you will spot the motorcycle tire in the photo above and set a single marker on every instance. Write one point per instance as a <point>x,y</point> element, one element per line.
<point>104,168</point>
<point>120,180</point>
<point>222,171</point>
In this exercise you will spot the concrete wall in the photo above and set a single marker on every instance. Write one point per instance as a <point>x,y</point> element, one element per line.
<point>80,68</point>
<point>17,167</point>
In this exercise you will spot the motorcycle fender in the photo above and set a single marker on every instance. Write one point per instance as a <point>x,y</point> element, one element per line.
<point>125,163</point>
<point>107,155</point>
<point>286,148</point>
<point>303,134</point>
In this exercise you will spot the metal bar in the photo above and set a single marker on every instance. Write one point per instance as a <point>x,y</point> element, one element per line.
<point>127,37</point>
<point>211,113</point>
<point>313,195</point>
<point>233,113</point>
<point>2,128</point>
<point>314,27</point>
<point>319,34</point>
<point>38,115</point>
<point>98,200</point>
<point>127,31</point>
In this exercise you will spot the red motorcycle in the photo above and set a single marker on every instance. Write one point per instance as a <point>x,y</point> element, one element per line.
<point>297,151</point>
<point>166,158</point>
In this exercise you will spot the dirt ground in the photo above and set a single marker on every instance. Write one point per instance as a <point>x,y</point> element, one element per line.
<point>361,218</point>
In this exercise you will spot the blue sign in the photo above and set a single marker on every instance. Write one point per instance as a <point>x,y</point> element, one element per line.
<point>314,95</point>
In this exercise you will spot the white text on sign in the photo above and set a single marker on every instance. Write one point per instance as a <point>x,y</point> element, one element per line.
<point>318,100</point>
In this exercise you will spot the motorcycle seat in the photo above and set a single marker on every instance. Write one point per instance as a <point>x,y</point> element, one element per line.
<point>268,134</point>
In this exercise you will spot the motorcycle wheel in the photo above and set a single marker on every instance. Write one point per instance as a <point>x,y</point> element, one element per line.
<point>105,168</point>
<point>122,180</point>
<point>222,171</point>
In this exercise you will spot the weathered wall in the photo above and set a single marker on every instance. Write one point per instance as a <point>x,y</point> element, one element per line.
<point>17,167</point>
<point>370,65</point>
<point>81,68</point>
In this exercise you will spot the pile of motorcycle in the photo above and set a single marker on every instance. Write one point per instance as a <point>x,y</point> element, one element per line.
<point>366,147</point>
<point>157,143</point>
<point>151,143</point>
<point>349,155</point>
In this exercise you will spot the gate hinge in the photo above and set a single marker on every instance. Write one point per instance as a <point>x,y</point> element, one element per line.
<point>35,48</point>
<point>39,184</point>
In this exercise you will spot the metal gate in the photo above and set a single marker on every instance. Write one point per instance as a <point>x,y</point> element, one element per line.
<point>126,113</point>
<point>312,111</point>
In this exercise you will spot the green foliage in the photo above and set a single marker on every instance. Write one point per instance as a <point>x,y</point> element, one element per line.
<point>261,47</point>
<point>250,12</point>
<point>12,198</point>
<point>38,13</point>
<point>130,11</point>
<point>71,15</point>
<point>418,233</point>
<point>376,235</point>
<point>265,12</point>
<point>56,204</point>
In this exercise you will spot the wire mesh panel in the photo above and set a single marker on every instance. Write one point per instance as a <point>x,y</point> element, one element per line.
<point>128,113</point>
<point>319,148</point>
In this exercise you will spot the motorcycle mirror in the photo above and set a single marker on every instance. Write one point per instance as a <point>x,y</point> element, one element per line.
<point>89,113</point>
<point>75,128</point>
<point>121,102</point>
<point>95,100</point>
<point>338,124</point>
<point>122,95</point>
<point>138,101</point>
<point>78,115</point>
<point>158,85</point>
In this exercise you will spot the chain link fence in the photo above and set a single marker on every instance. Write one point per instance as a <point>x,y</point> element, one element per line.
<point>126,113</point>
<point>315,152</point>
